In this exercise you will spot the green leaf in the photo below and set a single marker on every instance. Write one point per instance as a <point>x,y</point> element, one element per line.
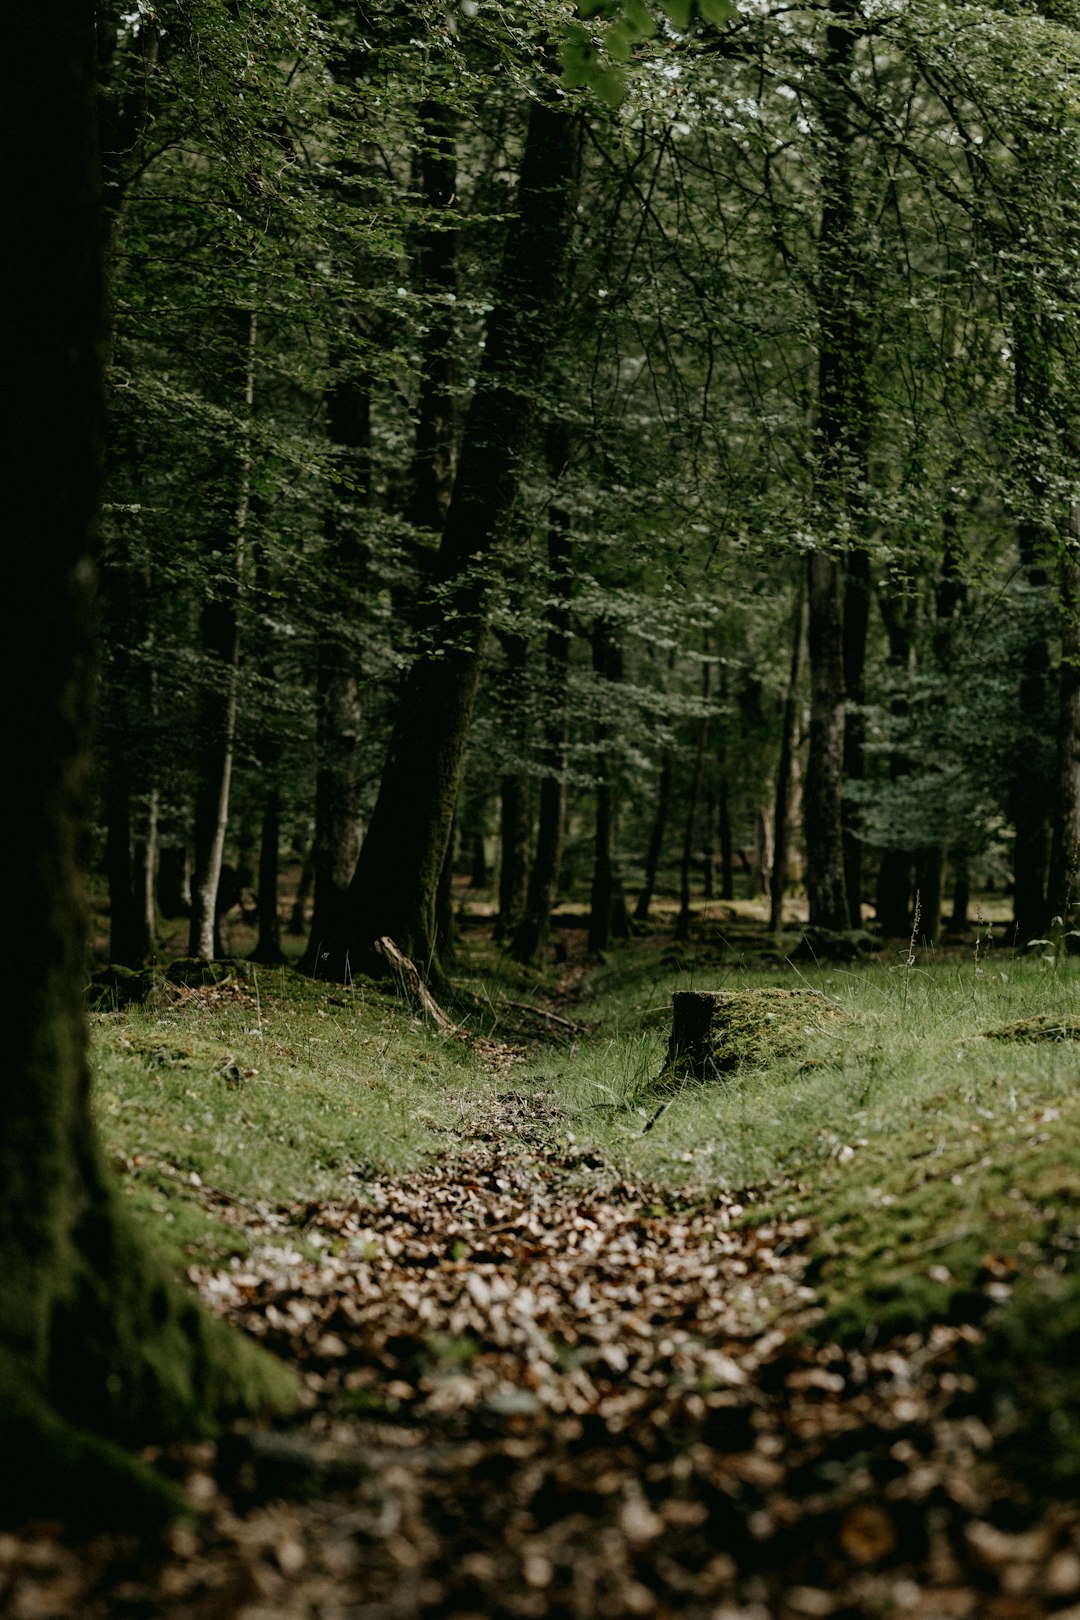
<point>716,12</point>
<point>638,20</point>
<point>610,86</point>
<point>618,42</point>
<point>679,12</point>
<point>579,57</point>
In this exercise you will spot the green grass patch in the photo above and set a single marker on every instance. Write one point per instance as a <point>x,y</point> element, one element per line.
<point>297,1094</point>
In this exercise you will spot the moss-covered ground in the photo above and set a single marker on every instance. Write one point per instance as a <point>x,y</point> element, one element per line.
<point>936,1158</point>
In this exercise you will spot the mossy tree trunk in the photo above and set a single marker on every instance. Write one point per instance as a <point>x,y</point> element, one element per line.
<point>97,1345</point>
<point>396,882</point>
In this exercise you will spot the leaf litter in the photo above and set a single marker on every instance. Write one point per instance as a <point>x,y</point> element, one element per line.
<point>532,1388</point>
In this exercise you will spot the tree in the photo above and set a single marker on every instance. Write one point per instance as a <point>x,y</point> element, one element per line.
<point>396,882</point>
<point>97,1344</point>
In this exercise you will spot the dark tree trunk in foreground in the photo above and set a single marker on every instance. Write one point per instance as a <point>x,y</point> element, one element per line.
<point>531,935</point>
<point>95,1340</point>
<point>789,728</point>
<point>394,889</point>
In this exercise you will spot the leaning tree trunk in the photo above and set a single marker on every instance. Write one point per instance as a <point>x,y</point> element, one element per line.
<point>531,935</point>
<point>394,889</point>
<point>789,727</point>
<point>217,722</point>
<point>95,1339</point>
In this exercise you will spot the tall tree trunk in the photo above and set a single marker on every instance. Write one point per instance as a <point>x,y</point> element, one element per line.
<point>607,905</point>
<point>515,820</point>
<point>1065,856</point>
<point>268,946</point>
<point>1033,784</point>
<point>682,924</point>
<point>823,792</point>
<point>435,449</point>
<point>217,725</point>
<point>894,885</point>
<point>789,727</point>
<point>842,429</point>
<point>297,923</point>
<point>394,888</point>
<point>95,1339</point>
<point>531,935</point>
<point>656,839</point>
<point>339,712</point>
<point>856,625</point>
<point>514,837</point>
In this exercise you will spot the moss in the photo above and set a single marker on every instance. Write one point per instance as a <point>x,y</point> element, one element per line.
<point>1041,1027</point>
<point>718,1032</point>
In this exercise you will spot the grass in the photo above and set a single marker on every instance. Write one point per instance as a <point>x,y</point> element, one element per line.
<point>293,1096</point>
<point>940,1167</point>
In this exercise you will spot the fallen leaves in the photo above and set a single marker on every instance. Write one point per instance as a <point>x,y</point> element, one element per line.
<point>532,1388</point>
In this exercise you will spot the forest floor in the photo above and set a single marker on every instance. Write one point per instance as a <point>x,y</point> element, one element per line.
<point>802,1344</point>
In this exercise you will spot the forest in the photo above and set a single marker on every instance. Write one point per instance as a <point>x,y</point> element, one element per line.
<point>545,542</point>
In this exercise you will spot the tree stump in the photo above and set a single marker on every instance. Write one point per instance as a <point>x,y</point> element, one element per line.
<point>714,1032</point>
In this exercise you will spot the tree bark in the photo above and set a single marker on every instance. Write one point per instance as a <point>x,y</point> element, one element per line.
<point>339,713</point>
<point>514,829</point>
<point>435,449</point>
<point>1065,854</point>
<point>268,947</point>
<point>823,792</point>
<point>682,924</point>
<point>608,918</point>
<point>94,1339</point>
<point>785,770</point>
<point>894,886</point>
<point>396,880</point>
<point>856,625</point>
<point>217,723</point>
<point>531,935</point>
<point>656,839</point>
<point>842,429</point>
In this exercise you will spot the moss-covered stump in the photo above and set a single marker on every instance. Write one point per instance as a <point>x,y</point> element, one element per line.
<point>1042,1027</point>
<point>715,1032</point>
